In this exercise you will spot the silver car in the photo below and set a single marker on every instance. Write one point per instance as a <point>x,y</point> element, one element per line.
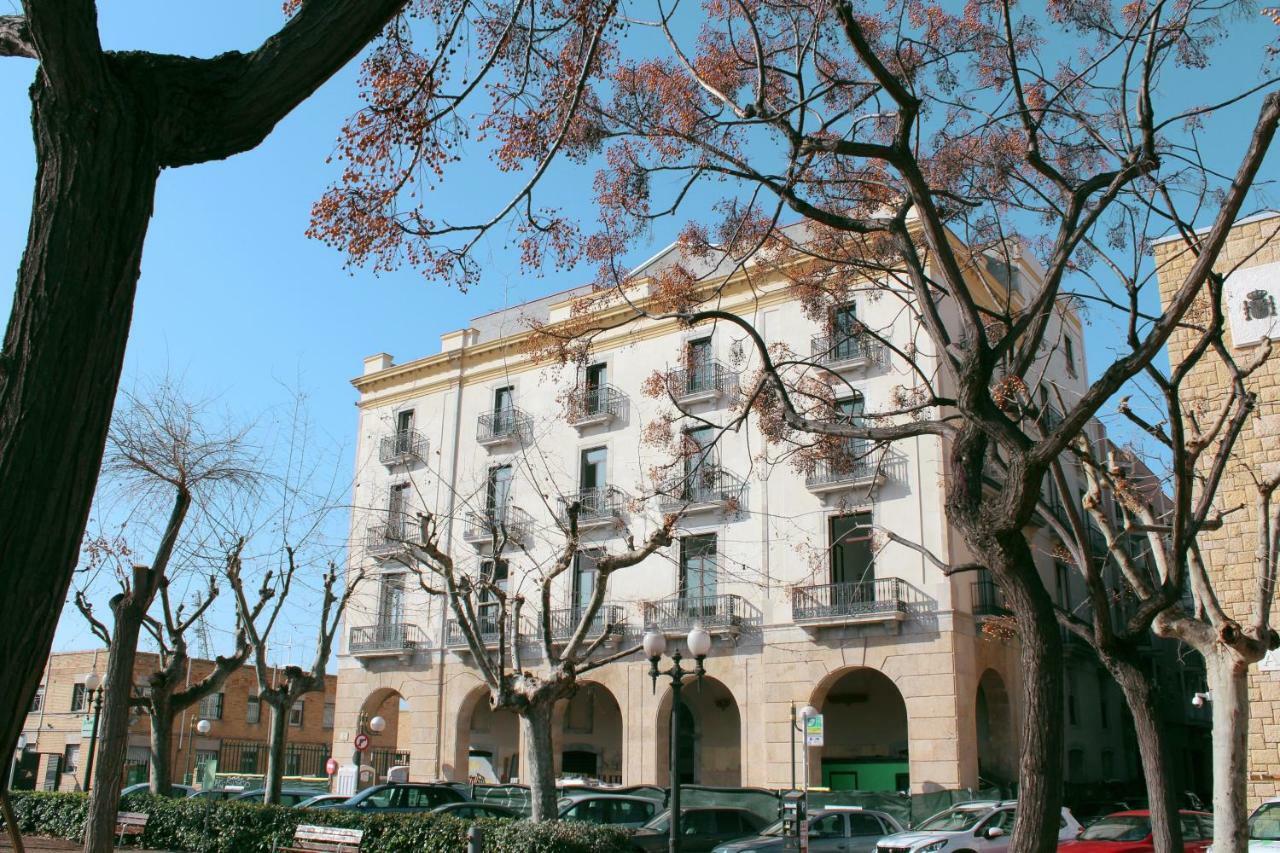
<point>847,829</point>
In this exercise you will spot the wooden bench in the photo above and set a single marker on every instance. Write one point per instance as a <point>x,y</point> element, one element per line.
<point>130,824</point>
<point>331,839</point>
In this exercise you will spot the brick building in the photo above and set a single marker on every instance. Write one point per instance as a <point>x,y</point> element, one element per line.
<point>1252,256</point>
<point>59,727</point>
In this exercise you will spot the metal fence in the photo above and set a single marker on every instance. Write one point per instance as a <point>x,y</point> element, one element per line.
<point>864,598</point>
<point>502,425</point>
<point>706,484</point>
<point>386,637</point>
<point>384,759</point>
<point>401,446</point>
<point>846,349</point>
<point>682,613</point>
<point>592,403</point>
<point>250,757</point>
<point>704,378</point>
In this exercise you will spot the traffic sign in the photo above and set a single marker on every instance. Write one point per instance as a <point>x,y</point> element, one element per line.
<point>361,742</point>
<point>813,730</point>
<point>331,766</point>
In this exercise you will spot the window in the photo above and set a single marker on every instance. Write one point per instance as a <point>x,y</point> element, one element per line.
<point>827,826</point>
<point>699,461</point>
<point>498,492</point>
<point>853,558</point>
<point>391,600</point>
<point>211,707</point>
<point>397,504</point>
<point>700,366</point>
<point>584,578</point>
<point>844,331</point>
<point>698,566</point>
<point>329,710</point>
<point>1069,354</point>
<point>37,701</point>
<point>864,824</point>
<point>404,431</point>
<point>1063,576</point>
<point>252,709</point>
<point>504,410</point>
<point>295,714</point>
<point>591,475</point>
<point>850,411</point>
<point>71,758</point>
<point>494,575</point>
<point>594,380</point>
<point>77,697</point>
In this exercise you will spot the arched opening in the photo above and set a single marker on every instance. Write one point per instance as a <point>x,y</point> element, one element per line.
<point>390,747</point>
<point>492,743</point>
<point>709,739</point>
<point>997,752</point>
<point>588,735</point>
<point>865,733</point>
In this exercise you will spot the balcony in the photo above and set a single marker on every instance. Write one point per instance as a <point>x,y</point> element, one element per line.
<point>386,639</point>
<point>597,508</point>
<point>857,468</point>
<point>387,536</point>
<point>710,382</point>
<point>708,487</point>
<point>456,639</point>
<point>879,601</point>
<point>509,522</point>
<point>402,447</point>
<point>598,406</point>
<point>847,352</point>
<point>501,426</point>
<point>610,619</point>
<point>987,599</point>
<point>718,614</point>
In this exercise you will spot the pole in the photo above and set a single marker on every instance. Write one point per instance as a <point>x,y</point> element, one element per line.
<point>793,746</point>
<point>677,675</point>
<point>93,738</point>
<point>804,824</point>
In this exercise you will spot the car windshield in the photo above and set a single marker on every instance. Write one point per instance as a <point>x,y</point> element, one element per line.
<point>953,820</point>
<point>1118,828</point>
<point>1265,823</point>
<point>661,823</point>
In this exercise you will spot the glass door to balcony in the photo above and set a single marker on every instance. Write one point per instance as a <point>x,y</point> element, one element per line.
<point>584,581</point>
<point>397,504</point>
<point>592,474</point>
<point>844,328</point>
<point>404,432</point>
<point>698,581</point>
<point>699,365</point>
<point>595,378</point>
<point>391,601</point>
<point>853,568</point>
<point>699,463</point>
<point>853,454</point>
<point>498,494</point>
<point>504,414</point>
<point>494,577</point>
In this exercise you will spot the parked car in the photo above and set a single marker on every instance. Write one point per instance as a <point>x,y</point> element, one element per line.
<point>288,797</point>
<point>219,794</point>
<point>1264,828</point>
<point>471,811</point>
<point>702,829</point>
<point>610,809</point>
<point>399,797</point>
<point>831,828</point>
<point>1090,812</point>
<point>176,792</point>
<point>318,799</point>
<point>1130,832</point>
<point>981,827</point>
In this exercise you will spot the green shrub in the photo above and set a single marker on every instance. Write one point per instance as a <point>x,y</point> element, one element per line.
<point>207,826</point>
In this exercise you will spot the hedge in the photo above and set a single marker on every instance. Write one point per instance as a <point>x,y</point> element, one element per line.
<point>205,826</point>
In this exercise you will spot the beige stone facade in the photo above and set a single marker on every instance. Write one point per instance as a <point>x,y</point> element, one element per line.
<point>1253,248</point>
<point>59,725</point>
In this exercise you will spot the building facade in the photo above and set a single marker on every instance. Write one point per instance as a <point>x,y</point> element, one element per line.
<point>1251,257</point>
<point>806,606</point>
<point>59,727</point>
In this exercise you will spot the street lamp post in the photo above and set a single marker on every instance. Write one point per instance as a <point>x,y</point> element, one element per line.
<point>93,688</point>
<point>699,644</point>
<point>203,727</point>
<point>798,726</point>
<point>367,726</point>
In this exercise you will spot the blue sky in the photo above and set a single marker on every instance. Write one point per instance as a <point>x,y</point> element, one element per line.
<point>233,296</point>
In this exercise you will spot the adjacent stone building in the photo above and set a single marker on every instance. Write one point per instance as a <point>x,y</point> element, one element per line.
<point>1252,291</point>
<point>59,727</point>
<point>803,610</point>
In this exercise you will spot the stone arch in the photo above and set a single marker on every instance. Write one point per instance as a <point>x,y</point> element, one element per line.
<point>997,749</point>
<point>711,741</point>
<point>866,733</point>
<point>392,747</point>
<point>487,743</point>
<point>588,734</point>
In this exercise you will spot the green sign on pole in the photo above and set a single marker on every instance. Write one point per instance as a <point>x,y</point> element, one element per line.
<point>813,730</point>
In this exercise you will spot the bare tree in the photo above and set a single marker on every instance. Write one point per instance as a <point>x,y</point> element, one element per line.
<point>105,124</point>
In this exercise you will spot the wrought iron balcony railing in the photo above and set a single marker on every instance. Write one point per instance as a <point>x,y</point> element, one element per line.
<point>597,405</point>
<point>610,617</point>
<point>595,506</point>
<point>402,446</point>
<point>847,350</point>
<point>388,535</point>
<point>392,638</point>
<point>509,522</point>
<point>709,379</point>
<point>502,425</point>
<point>881,599</point>
<point>706,486</point>
<point>860,465</point>
<point>987,599</point>
<point>680,613</point>
<point>486,625</point>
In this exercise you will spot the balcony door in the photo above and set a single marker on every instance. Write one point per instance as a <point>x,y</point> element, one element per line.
<point>844,329</point>
<point>593,472</point>
<point>404,431</point>
<point>851,410</point>
<point>397,506</point>
<point>495,575</point>
<point>853,567</point>
<point>504,405</point>
<point>698,362</point>
<point>391,601</point>
<point>584,580</point>
<point>594,380</point>
<point>698,581</point>
<point>699,462</point>
<point>498,493</point>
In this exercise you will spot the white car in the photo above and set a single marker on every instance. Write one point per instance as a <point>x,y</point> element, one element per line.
<point>980,827</point>
<point>1264,828</point>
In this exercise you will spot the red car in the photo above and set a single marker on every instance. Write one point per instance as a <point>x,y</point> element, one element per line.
<point>1130,832</point>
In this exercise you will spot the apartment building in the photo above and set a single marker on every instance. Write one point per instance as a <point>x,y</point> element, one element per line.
<point>806,606</point>
<point>1251,258</point>
<point>59,727</point>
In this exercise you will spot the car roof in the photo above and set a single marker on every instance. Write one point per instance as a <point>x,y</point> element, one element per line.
<point>1147,813</point>
<point>612,797</point>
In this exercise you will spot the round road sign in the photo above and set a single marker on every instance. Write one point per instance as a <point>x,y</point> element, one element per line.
<point>331,766</point>
<point>361,742</point>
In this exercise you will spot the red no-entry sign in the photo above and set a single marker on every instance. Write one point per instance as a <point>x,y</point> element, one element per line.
<point>331,766</point>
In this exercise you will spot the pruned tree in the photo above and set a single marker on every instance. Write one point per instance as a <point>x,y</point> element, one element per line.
<point>259,621</point>
<point>105,124</point>
<point>917,145</point>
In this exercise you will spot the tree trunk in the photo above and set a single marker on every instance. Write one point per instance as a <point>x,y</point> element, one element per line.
<point>1228,683</point>
<point>539,761</point>
<point>162,744</point>
<point>113,729</point>
<point>61,362</point>
<point>275,752</point>
<point>1153,748</point>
